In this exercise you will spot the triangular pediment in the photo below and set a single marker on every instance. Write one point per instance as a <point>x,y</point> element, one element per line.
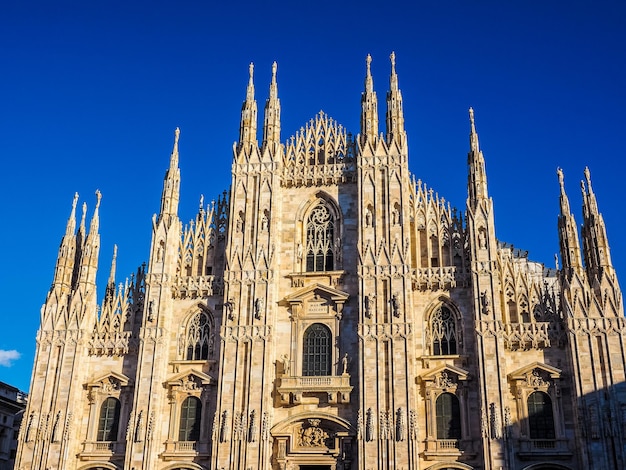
<point>192,375</point>
<point>110,378</point>
<point>522,373</point>
<point>462,374</point>
<point>319,290</point>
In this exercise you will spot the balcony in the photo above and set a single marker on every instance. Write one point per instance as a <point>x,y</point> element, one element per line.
<point>180,449</point>
<point>95,450</point>
<point>438,448</point>
<point>543,449</point>
<point>336,388</point>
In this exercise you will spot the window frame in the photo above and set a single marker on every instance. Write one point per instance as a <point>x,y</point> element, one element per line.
<point>319,360</point>
<point>189,426</point>
<point>109,426</point>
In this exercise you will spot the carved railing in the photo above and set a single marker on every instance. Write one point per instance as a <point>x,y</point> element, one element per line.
<point>177,449</point>
<point>337,388</point>
<point>444,277</point>
<point>435,448</point>
<point>110,344</point>
<point>525,336</point>
<point>197,286</point>
<point>546,448</point>
<point>98,449</point>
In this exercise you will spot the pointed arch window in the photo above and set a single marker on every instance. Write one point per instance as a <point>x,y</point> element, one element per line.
<point>197,337</point>
<point>444,332</point>
<point>448,412</point>
<point>109,422</point>
<point>190,413</point>
<point>317,355</point>
<point>320,236</point>
<point>540,416</point>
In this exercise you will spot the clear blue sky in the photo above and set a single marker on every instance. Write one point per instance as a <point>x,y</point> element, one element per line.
<point>92,92</point>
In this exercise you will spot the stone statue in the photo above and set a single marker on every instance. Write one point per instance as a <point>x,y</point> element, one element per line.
<point>345,362</point>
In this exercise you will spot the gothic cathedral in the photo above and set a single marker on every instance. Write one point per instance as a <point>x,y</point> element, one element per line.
<point>331,312</point>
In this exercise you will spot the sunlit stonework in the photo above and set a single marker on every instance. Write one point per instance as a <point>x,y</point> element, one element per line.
<point>331,312</point>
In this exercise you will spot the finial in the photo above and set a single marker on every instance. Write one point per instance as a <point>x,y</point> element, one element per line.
<point>588,178</point>
<point>201,201</point>
<point>251,71</point>
<point>75,201</point>
<point>368,62</point>
<point>84,216</point>
<point>473,135</point>
<point>98,198</point>
<point>176,136</point>
<point>582,188</point>
<point>393,62</point>
<point>274,67</point>
<point>559,172</point>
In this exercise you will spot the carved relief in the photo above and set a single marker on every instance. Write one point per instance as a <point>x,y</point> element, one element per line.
<point>313,435</point>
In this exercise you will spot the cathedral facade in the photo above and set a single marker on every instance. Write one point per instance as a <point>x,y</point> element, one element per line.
<point>331,312</point>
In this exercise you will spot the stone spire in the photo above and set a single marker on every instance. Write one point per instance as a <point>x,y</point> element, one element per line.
<point>568,234</point>
<point>67,253</point>
<point>91,247</point>
<point>595,243</point>
<point>171,184</point>
<point>247,127</point>
<point>110,290</point>
<point>369,107</point>
<point>395,115</point>
<point>271,127</point>
<point>477,177</point>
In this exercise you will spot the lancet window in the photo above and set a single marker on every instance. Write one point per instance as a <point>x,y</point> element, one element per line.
<point>109,421</point>
<point>320,236</point>
<point>198,337</point>
<point>317,353</point>
<point>443,332</point>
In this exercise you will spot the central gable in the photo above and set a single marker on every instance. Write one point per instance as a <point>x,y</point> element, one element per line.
<point>322,152</point>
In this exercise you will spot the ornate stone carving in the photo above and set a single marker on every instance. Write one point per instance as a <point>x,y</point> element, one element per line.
<point>313,435</point>
<point>369,425</point>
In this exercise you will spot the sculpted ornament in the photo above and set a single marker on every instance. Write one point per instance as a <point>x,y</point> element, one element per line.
<point>535,380</point>
<point>313,436</point>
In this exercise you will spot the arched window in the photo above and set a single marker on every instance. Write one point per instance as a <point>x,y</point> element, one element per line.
<point>540,417</point>
<point>320,236</point>
<point>316,357</point>
<point>197,337</point>
<point>109,420</point>
<point>448,414</point>
<point>190,413</point>
<point>443,332</point>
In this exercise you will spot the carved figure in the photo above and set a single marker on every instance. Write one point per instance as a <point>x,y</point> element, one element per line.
<point>395,305</point>
<point>258,308</point>
<point>369,302</point>
<point>345,362</point>
<point>285,361</point>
